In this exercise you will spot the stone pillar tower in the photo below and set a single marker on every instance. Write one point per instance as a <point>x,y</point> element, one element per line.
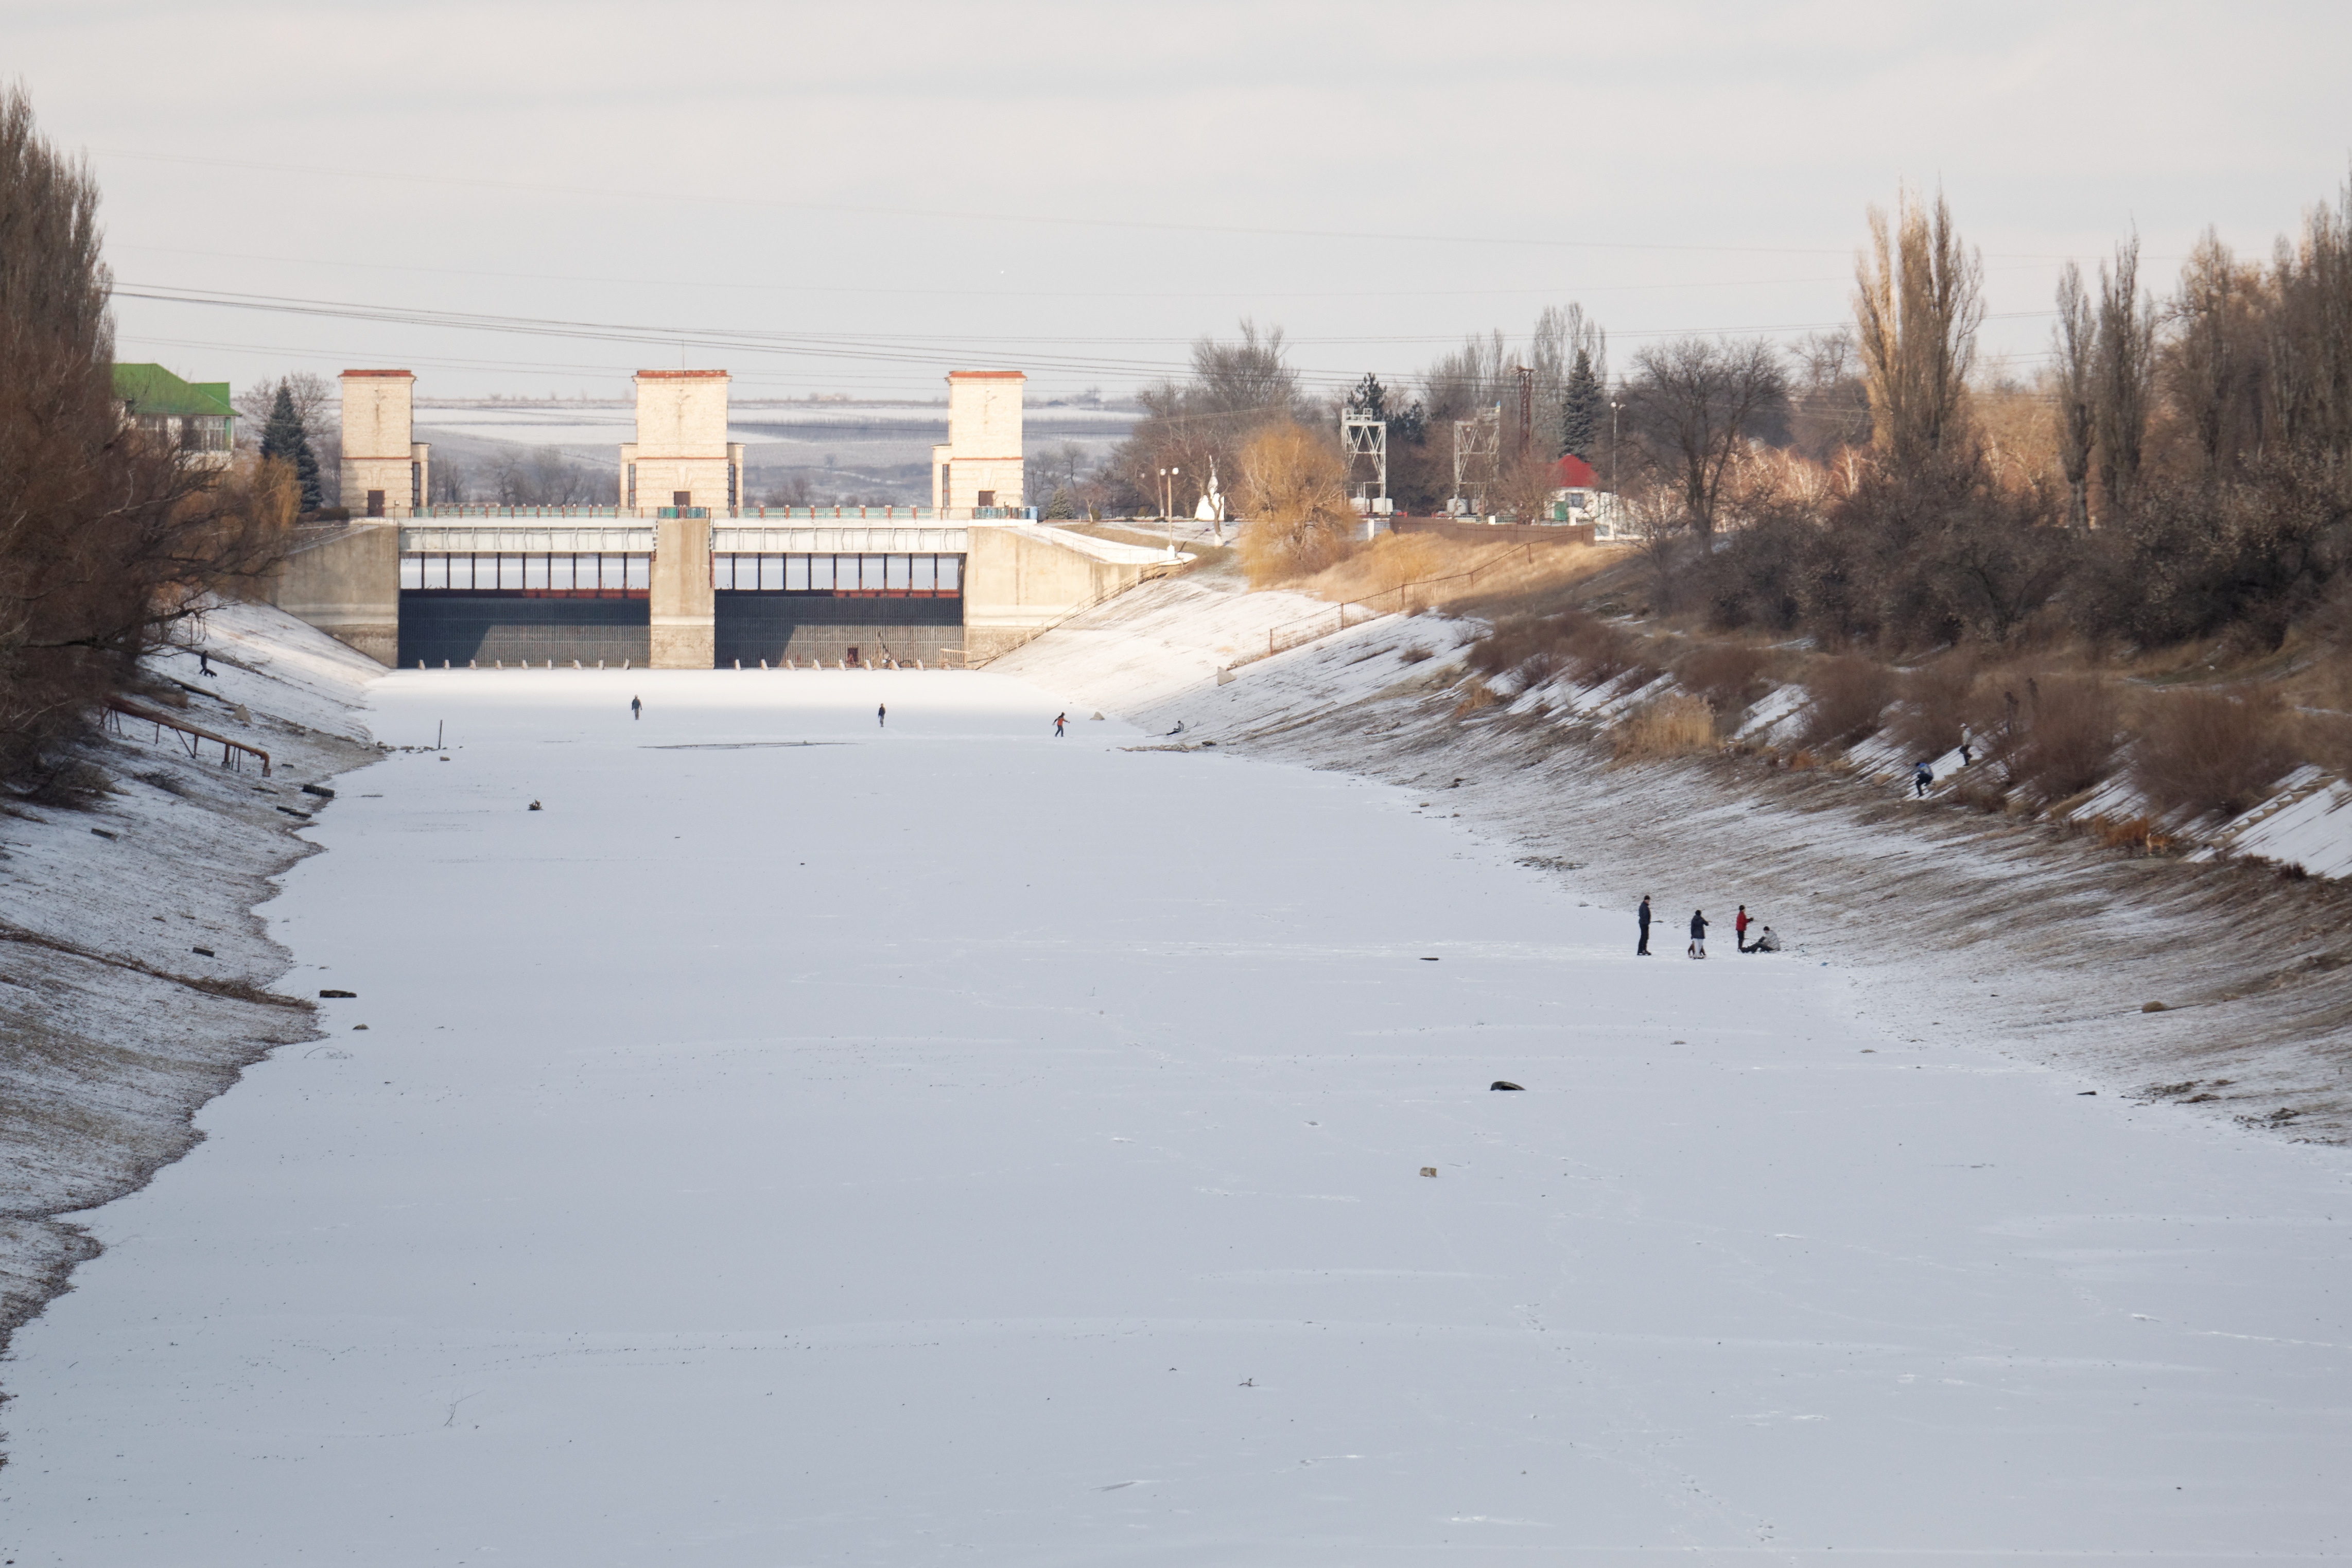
<point>681,450</point>
<point>981,466</point>
<point>385,472</point>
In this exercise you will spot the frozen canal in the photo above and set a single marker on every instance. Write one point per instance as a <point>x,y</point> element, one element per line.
<point>947,1144</point>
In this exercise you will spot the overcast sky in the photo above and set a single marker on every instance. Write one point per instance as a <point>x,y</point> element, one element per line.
<point>855,198</point>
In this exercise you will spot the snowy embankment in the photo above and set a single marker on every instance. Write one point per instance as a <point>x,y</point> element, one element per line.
<point>134,975</point>
<point>1948,926</point>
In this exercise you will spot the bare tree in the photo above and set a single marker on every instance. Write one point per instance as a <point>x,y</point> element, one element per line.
<point>2074,343</point>
<point>2127,366</point>
<point>1693,403</point>
<point>110,537</point>
<point>2212,366</point>
<point>1919,301</point>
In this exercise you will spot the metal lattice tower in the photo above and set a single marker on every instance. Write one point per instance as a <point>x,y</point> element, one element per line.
<point>1477,446</point>
<point>1363,437</point>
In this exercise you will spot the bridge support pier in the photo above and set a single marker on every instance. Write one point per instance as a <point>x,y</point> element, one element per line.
<point>681,606</point>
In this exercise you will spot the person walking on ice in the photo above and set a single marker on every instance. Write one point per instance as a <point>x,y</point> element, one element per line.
<point>882,715</point>
<point>1641,918</point>
<point>637,708</point>
<point>1698,933</point>
<point>1059,720</point>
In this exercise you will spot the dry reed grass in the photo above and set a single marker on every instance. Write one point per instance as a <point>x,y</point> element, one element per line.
<point>1410,572</point>
<point>1728,676</point>
<point>1676,725</point>
<point>2202,751</point>
<point>2051,736</point>
<point>1936,705</point>
<point>1475,694</point>
<point>1536,649</point>
<point>1846,695</point>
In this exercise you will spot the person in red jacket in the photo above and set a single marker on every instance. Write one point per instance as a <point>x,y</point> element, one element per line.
<point>1739,929</point>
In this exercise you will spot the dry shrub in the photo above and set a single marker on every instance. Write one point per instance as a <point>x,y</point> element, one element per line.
<point>1729,676</point>
<point>2203,750</point>
<point>2138,834</point>
<point>1676,725</point>
<point>1936,706</point>
<point>1416,654</point>
<point>2055,738</point>
<point>1846,695</point>
<point>1292,489</point>
<point>1475,694</point>
<point>1536,649</point>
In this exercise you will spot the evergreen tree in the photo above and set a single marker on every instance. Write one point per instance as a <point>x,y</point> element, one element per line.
<point>1370,399</point>
<point>1580,410</point>
<point>284,439</point>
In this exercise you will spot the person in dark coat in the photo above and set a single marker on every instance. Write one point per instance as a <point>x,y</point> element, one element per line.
<point>637,708</point>
<point>1642,915</point>
<point>1698,933</point>
<point>882,716</point>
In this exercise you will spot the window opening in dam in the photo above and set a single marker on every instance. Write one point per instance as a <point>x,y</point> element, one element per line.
<point>862,576</point>
<point>578,575</point>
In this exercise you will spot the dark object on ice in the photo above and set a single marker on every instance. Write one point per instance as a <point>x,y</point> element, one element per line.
<point>359,1025</point>
<point>1429,1170</point>
<point>1428,961</point>
<point>2080,1093</point>
<point>322,791</point>
<point>1506,1083</point>
<point>291,812</point>
<point>102,832</point>
<point>533,807</point>
<point>2154,1007</point>
<point>342,993</point>
<point>205,950</point>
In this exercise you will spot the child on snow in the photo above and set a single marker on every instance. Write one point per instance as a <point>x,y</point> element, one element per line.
<point>1698,933</point>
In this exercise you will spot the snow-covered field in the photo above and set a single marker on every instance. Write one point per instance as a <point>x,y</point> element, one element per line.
<point>807,1141</point>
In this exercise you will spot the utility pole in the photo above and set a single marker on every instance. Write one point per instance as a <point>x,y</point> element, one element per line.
<point>1527,406</point>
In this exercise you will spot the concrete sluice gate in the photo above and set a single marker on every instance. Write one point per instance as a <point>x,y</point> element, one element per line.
<point>489,628</point>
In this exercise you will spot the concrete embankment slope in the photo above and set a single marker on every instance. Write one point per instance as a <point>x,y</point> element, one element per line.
<point>136,980</point>
<point>1950,926</point>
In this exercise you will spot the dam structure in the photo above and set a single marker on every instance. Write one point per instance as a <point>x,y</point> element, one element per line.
<point>679,573</point>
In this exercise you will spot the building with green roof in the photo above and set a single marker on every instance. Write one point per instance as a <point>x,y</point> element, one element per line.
<point>196,415</point>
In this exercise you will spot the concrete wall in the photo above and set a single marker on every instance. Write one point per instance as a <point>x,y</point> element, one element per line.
<point>379,408</point>
<point>347,586</point>
<point>680,600</point>
<point>1015,584</point>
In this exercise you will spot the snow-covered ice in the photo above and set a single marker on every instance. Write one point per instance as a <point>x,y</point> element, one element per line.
<point>803,1141</point>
